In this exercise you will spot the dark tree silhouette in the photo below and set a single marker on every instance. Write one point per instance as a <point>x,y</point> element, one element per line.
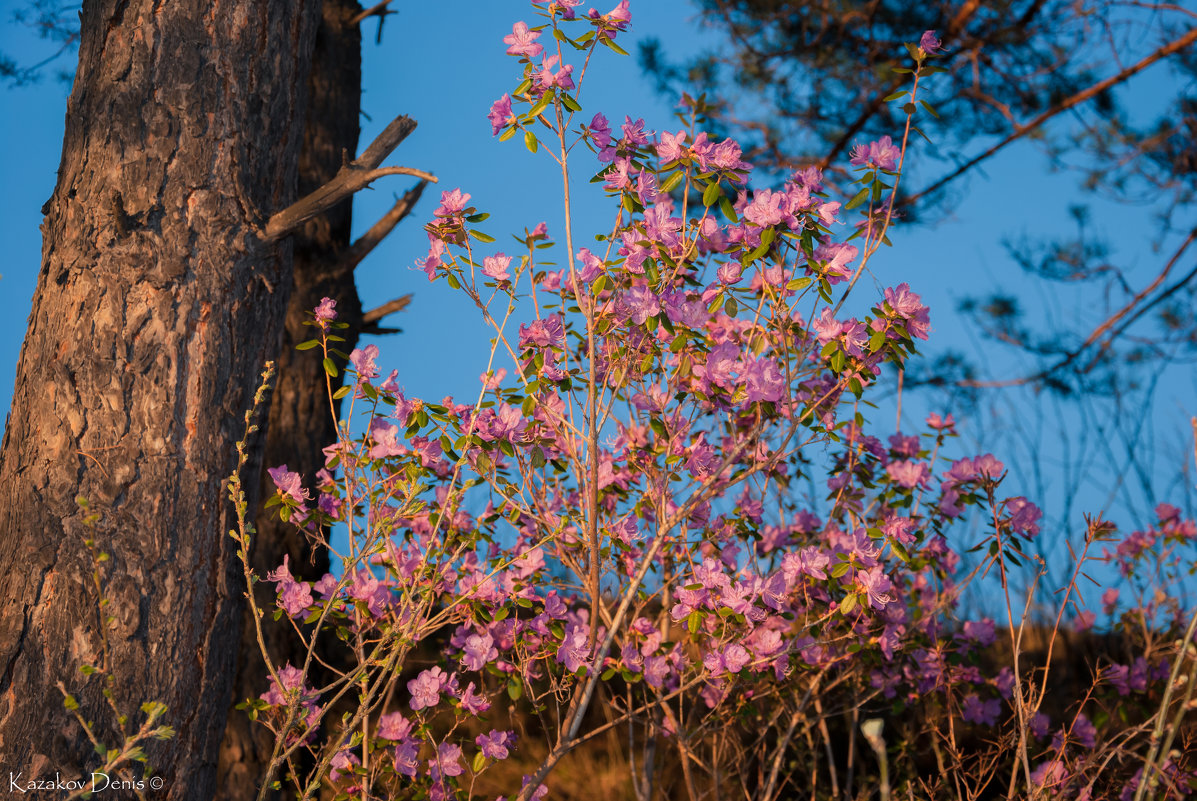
<point>317,231</point>
<point>158,300</point>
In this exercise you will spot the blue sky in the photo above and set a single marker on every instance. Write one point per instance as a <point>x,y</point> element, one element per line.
<point>445,74</point>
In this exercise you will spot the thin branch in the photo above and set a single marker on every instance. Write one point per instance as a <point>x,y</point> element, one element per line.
<point>369,240</point>
<point>390,307</point>
<point>352,177</point>
<point>1136,308</point>
<point>379,10</point>
<point>1174,46</point>
<point>955,27</point>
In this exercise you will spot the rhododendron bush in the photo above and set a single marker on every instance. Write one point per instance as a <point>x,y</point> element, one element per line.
<point>619,520</point>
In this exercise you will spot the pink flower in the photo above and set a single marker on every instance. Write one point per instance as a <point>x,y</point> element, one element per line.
<point>547,79</point>
<point>495,745</point>
<point>981,712</point>
<point>909,307</point>
<point>436,250</point>
<point>591,267</point>
<point>496,266</point>
<point>764,380</point>
<point>600,131</point>
<point>573,652</point>
<point>638,304</point>
<point>908,473</point>
<point>326,312</point>
<point>729,273</point>
<point>1024,516</point>
<point>288,483</point>
<point>548,332</point>
<point>453,201</point>
<point>500,114</point>
<point>386,439</point>
<point>617,177</point>
<point>342,764</point>
<point>766,208</point>
<point>407,761</point>
<point>447,762</point>
<point>1109,600</point>
<point>473,702</point>
<point>941,423</point>
<point>522,42</point>
<point>394,727</point>
<point>982,632</point>
<point>362,360</point>
<point>291,679</point>
<point>876,586</point>
<point>425,689</point>
<point>881,154</point>
<point>634,133</point>
<point>613,21</point>
<point>929,43</point>
<point>478,651</point>
<point>672,146</point>
<point>732,659</point>
<point>1049,774</point>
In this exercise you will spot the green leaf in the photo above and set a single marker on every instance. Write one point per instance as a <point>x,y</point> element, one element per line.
<point>729,211</point>
<point>340,393</point>
<point>927,106</point>
<point>570,103</point>
<point>330,368</point>
<point>514,688</point>
<point>672,181</point>
<point>481,216</point>
<point>507,134</point>
<point>857,199</point>
<point>540,106</point>
<point>69,702</point>
<point>849,603</point>
<point>760,250</point>
<point>481,237</point>
<point>896,95</point>
<point>711,194</point>
<point>530,141</point>
<point>311,343</point>
<point>613,46</point>
<point>876,339</point>
<point>731,307</point>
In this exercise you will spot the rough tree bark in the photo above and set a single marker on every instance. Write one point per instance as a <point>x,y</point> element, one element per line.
<point>156,305</point>
<point>299,421</point>
<point>300,424</point>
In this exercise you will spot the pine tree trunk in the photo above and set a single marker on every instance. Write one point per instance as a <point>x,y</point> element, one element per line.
<point>300,421</point>
<point>155,308</point>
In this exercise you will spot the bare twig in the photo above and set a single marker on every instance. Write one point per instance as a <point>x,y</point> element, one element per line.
<point>379,231</point>
<point>1136,308</point>
<point>390,307</point>
<point>1174,46</point>
<point>379,10</point>
<point>352,177</point>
